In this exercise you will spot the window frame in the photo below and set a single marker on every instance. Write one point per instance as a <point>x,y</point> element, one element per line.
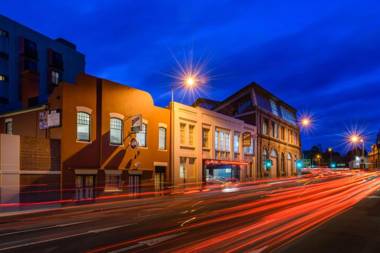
<point>145,133</point>
<point>7,123</point>
<point>89,127</point>
<point>165,137</point>
<point>121,131</point>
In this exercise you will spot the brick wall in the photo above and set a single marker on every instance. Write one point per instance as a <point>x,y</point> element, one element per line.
<point>39,154</point>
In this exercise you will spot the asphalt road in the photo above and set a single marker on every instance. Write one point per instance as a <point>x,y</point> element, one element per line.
<point>258,217</point>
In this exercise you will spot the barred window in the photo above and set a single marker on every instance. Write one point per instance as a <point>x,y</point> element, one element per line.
<point>116,131</point>
<point>141,136</point>
<point>83,126</point>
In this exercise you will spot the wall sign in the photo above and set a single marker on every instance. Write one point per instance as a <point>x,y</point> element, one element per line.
<point>134,143</point>
<point>54,118</point>
<point>42,120</point>
<point>247,139</point>
<point>136,123</point>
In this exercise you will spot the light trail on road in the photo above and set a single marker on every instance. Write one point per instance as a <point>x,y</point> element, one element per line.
<point>263,224</point>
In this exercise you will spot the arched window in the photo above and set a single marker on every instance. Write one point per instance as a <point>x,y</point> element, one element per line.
<point>116,131</point>
<point>83,126</point>
<point>273,153</point>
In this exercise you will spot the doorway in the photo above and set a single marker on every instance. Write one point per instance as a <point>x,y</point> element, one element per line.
<point>84,187</point>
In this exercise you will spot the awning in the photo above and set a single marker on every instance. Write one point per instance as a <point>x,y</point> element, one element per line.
<point>224,162</point>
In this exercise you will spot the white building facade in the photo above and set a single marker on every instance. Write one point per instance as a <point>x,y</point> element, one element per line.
<point>210,147</point>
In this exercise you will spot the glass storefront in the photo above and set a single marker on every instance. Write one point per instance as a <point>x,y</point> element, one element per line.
<point>222,173</point>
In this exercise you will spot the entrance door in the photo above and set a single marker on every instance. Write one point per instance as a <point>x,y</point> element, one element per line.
<point>85,187</point>
<point>159,178</point>
<point>134,182</point>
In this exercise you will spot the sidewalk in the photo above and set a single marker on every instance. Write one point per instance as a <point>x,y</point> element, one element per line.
<point>357,230</point>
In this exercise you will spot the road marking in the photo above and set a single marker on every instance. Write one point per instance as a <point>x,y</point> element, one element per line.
<point>189,220</point>
<point>373,197</point>
<point>43,228</point>
<point>63,237</point>
<point>149,242</point>
<point>259,250</point>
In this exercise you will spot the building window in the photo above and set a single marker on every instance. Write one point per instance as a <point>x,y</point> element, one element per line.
<point>141,136</point>
<point>8,127</point>
<point>182,130</point>
<point>30,49</point>
<point>250,150</point>
<point>162,138</point>
<point>191,135</point>
<point>4,33</point>
<point>205,137</point>
<point>112,183</point>
<point>55,77</point>
<point>265,126</point>
<point>222,140</point>
<point>283,133</point>
<point>116,131</point>
<point>227,141</point>
<point>4,56</point>
<point>3,78</point>
<point>216,140</point>
<point>83,126</point>
<point>273,129</point>
<point>182,167</point>
<point>236,143</point>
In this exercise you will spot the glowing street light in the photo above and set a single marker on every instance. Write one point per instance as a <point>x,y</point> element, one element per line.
<point>305,122</point>
<point>190,82</point>
<point>354,139</point>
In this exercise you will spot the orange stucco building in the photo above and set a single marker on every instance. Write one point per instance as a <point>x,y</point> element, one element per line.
<point>95,151</point>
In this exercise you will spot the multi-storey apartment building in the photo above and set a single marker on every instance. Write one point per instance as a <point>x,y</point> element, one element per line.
<point>31,65</point>
<point>210,147</point>
<point>278,136</point>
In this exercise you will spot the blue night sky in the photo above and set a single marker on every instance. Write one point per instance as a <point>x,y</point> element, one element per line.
<point>321,57</point>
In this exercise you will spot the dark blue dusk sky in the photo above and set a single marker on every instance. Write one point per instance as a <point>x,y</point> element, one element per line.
<point>321,57</point>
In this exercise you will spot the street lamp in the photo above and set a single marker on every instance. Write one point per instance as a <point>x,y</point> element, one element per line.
<point>331,152</point>
<point>305,122</point>
<point>319,160</point>
<point>189,82</point>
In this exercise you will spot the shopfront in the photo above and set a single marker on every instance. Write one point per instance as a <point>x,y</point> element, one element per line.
<point>218,171</point>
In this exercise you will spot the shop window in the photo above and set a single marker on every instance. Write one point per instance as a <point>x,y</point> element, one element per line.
<point>83,126</point>
<point>142,135</point>
<point>162,138</point>
<point>116,131</point>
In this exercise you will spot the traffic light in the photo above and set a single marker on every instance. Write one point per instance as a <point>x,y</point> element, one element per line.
<point>299,164</point>
<point>268,164</point>
<point>333,165</point>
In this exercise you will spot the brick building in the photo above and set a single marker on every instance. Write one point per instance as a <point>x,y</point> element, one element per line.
<point>84,137</point>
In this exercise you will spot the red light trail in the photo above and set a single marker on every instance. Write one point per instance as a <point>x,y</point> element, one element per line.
<point>267,222</point>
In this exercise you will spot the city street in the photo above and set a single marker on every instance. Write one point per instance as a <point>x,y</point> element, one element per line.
<point>251,217</point>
